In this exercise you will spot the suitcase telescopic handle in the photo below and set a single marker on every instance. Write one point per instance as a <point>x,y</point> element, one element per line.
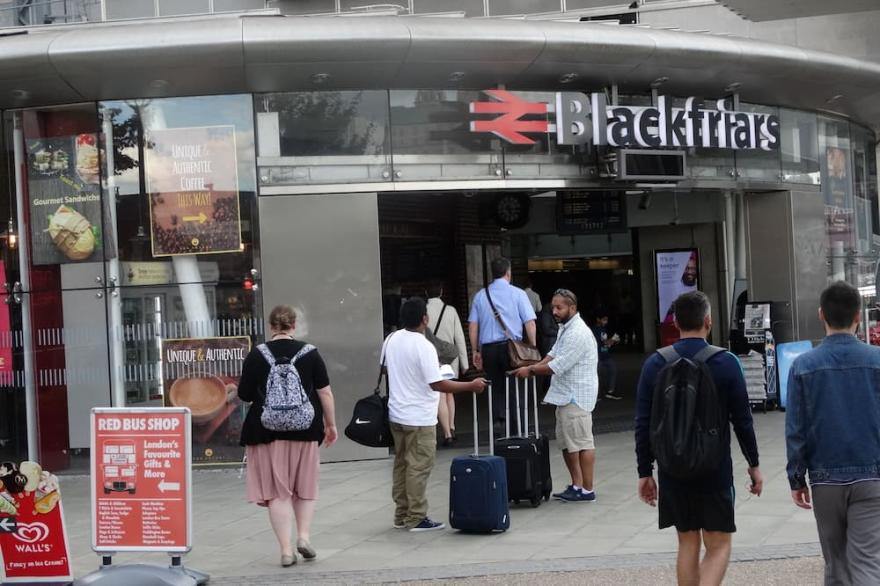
<point>477,428</point>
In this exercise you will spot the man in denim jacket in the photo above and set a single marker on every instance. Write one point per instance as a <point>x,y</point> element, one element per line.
<point>832,432</point>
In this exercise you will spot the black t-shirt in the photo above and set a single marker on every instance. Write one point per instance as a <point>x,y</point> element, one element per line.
<point>252,389</point>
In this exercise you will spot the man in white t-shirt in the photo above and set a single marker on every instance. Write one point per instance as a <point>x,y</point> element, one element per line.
<point>415,385</point>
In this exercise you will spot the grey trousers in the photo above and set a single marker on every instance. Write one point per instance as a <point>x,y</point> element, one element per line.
<point>848,519</point>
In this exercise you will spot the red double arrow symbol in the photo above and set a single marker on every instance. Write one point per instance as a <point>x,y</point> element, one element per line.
<point>509,126</point>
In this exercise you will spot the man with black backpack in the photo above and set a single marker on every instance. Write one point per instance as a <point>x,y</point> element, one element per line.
<point>688,395</point>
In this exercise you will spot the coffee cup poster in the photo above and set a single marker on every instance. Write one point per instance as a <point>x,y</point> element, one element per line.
<point>192,180</point>
<point>202,374</point>
<point>65,199</point>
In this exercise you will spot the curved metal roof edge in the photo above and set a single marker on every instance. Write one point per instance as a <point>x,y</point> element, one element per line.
<point>243,53</point>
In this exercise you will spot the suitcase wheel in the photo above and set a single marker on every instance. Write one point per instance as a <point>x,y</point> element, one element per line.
<point>535,502</point>
<point>516,501</point>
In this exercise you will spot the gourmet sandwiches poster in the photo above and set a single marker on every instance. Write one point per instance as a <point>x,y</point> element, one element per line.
<point>65,199</point>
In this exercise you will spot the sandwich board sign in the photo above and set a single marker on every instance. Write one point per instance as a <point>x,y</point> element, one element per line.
<point>141,479</point>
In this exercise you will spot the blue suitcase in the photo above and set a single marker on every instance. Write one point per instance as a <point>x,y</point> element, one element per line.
<point>478,488</point>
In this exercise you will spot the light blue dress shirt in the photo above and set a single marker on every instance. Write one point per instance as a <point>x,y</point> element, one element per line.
<point>513,305</point>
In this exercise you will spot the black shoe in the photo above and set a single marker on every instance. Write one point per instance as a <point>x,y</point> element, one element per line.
<point>448,442</point>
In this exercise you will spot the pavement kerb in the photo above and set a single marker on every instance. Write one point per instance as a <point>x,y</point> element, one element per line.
<point>459,571</point>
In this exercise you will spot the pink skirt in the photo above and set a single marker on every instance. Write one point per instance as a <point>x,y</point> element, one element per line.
<point>282,469</point>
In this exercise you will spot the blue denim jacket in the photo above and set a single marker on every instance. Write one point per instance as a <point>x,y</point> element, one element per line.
<point>832,422</point>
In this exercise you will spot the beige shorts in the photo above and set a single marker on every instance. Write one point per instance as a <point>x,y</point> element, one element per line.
<point>574,428</point>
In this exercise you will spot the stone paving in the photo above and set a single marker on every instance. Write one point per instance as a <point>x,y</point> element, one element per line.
<point>356,543</point>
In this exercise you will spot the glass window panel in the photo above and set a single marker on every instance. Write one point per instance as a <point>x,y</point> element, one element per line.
<point>199,145</point>
<point>307,7</point>
<point>835,163</point>
<point>799,146</point>
<point>864,201</point>
<point>469,7</point>
<point>323,137</point>
<point>581,4</point>
<point>431,136</point>
<point>502,7</point>
<point>758,163</point>
<point>235,5</point>
<point>119,9</point>
<point>176,7</point>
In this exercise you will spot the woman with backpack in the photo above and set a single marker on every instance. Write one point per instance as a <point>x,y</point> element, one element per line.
<point>292,412</point>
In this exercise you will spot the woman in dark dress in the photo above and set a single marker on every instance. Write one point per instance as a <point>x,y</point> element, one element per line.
<point>283,466</point>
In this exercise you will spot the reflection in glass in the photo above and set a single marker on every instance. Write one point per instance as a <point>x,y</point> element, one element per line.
<point>131,122</point>
<point>323,137</point>
<point>835,163</point>
<point>430,131</point>
<point>865,202</point>
<point>799,146</point>
<point>758,163</point>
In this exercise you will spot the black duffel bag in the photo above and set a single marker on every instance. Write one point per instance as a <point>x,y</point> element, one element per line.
<point>369,423</point>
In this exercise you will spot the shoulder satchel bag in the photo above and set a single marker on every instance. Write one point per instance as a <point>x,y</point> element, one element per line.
<point>369,425</point>
<point>520,353</point>
<point>446,352</point>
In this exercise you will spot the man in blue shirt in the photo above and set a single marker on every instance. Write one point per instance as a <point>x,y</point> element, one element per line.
<point>488,336</point>
<point>701,509</point>
<point>831,431</point>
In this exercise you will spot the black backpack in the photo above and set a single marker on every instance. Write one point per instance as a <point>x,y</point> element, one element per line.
<point>688,423</point>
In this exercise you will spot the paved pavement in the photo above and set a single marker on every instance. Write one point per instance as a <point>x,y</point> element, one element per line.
<point>355,542</point>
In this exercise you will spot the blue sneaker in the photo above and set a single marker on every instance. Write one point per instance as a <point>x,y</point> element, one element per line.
<point>578,496</point>
<point>428,525</point>
<point>568,494</point>
<point>586,497</point>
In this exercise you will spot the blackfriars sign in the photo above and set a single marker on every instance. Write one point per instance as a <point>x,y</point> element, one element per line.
<point>657,126</point>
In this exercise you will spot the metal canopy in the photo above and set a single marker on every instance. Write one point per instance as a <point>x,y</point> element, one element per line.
<point>761,10</point>
<point>58,65</point>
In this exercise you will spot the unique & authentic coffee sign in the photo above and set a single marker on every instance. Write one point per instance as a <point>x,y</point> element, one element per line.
<point>193,184</point>
<point>587,118</point>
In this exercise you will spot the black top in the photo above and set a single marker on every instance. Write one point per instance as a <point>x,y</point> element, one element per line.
<point>252,389</point>
<point>731,385</point>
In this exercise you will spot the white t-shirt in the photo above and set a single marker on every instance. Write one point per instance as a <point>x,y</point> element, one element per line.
<point>412,366</point>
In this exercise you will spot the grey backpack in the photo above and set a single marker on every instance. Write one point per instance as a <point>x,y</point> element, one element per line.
<point>286,405</point>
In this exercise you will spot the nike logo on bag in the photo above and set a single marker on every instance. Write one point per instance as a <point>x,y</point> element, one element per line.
<point>360,421</point>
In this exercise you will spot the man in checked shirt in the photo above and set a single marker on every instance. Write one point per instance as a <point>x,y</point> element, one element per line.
<point>574,387</point>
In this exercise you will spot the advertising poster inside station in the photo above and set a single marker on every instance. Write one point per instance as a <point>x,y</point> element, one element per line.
<point>64,188</point>
<point>33,537</point>
<point>192,179</point>
<point>141,492</point>
<point>677,272</point>
<point>202,375</point>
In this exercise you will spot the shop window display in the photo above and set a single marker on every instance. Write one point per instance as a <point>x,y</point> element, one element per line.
<point>183,174</point>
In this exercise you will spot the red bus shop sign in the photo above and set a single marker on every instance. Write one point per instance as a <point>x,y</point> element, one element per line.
<point>141,479</point>
<point>587,118</point>
<point>33,539</point>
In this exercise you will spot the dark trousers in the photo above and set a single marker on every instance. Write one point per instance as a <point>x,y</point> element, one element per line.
<point>496,363</point>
